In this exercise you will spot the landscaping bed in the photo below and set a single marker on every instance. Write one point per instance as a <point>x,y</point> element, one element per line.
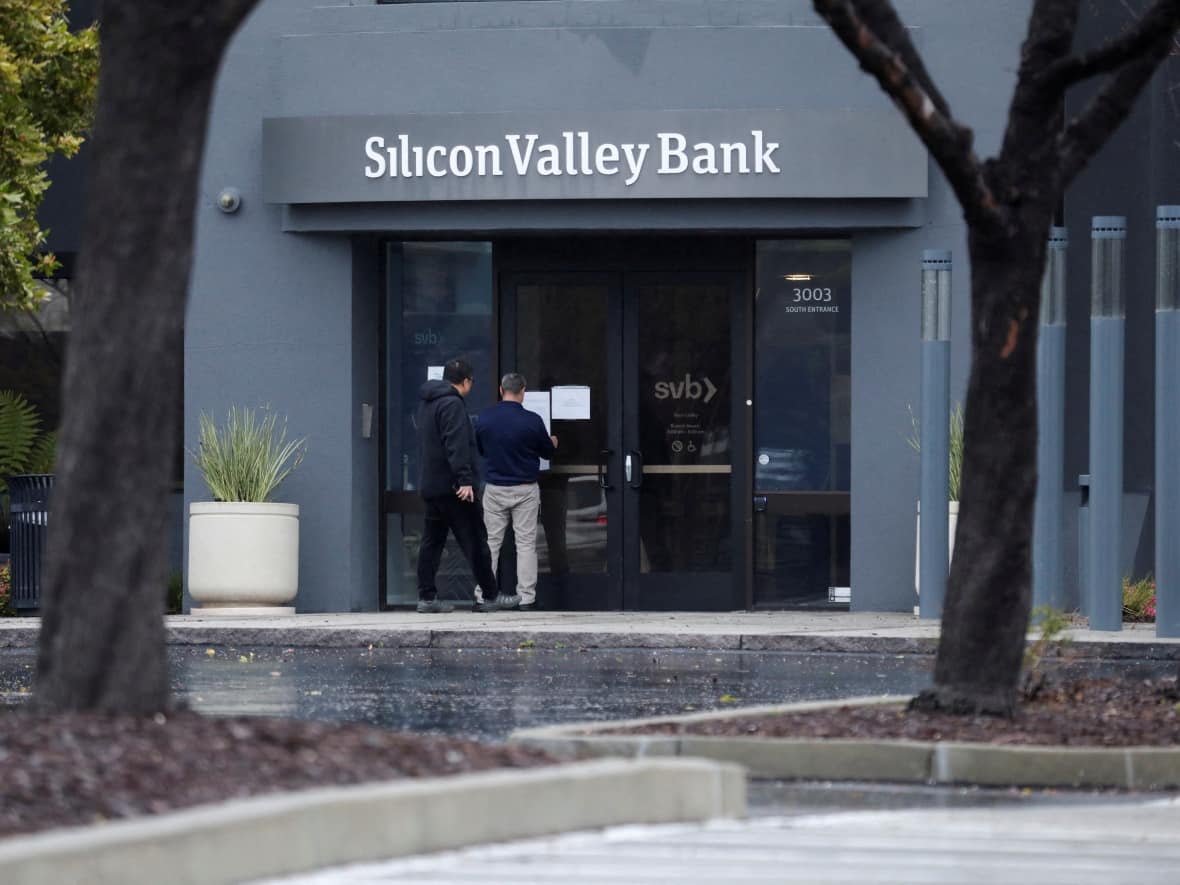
<point>1079,713</point>
<point>76,769</point>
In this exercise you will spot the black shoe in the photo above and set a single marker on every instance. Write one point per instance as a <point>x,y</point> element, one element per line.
<point>507,602</point>
<point>529,607</point>
<point>485,607</point>
<point>434,607</point>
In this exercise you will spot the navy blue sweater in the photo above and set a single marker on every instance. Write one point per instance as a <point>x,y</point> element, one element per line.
<point>512,440</point>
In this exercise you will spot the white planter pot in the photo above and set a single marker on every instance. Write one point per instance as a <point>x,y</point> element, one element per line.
<point>243,558</point>
<point>952,519</point>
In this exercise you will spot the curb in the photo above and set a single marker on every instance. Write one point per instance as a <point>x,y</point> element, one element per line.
<point>898,761</point>
<point>297,832</point>
<point>22,636</point>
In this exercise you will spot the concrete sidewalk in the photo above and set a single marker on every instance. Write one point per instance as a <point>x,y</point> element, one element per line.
<point>1103,844</point>
<point>871,632</point>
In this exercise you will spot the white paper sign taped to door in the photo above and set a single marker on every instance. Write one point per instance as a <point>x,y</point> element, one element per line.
<point>538,401</point>
<point>571,402</point>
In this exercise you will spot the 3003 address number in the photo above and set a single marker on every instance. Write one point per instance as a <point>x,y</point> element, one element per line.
<point>816,294</point>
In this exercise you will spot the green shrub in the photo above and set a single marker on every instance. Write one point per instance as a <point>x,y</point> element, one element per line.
<point>174,600</point>
<point>23,447</point>
<point>1052,624</point>
<point>7,609</point>
<point>22,444</point>
<point>1139,599</point>
<point>242,460</point>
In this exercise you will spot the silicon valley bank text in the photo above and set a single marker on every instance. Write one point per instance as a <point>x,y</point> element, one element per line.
<point>573,153</point>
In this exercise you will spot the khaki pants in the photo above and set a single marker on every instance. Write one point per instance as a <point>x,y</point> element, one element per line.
<point>516,506</point>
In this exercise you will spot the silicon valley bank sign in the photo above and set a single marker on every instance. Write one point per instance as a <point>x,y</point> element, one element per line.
<point>845,153</point>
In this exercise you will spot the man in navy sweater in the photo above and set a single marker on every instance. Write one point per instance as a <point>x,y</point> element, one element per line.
<point>512,441</point>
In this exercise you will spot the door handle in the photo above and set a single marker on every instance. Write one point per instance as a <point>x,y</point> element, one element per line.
<point>603,477</point>
<point>633,469</point>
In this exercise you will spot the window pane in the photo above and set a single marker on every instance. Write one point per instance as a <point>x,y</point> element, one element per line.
<point>802,419</point>
<point>440,308</point>
<point>572,534</point>
<point>684,419</point>
<point>803,365</point>
<point>797,558</point>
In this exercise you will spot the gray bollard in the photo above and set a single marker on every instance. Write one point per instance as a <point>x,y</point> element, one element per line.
<point>1047,518</point>
<point>1167,422</point>
<point>1105,597</point>
<point>1084,540</point>
<point>933,564</point>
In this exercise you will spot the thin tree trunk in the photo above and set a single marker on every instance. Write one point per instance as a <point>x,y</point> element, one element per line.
<point>102,637</point>
<point>990,587</point>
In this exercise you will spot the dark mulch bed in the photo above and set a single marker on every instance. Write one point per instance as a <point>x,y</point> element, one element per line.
<point>80,769</point>
<point>1082,713</point>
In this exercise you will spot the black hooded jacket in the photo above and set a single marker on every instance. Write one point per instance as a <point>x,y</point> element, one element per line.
<point>446,441</point>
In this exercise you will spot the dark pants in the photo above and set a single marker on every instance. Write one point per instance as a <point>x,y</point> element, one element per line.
<point>465,519</point>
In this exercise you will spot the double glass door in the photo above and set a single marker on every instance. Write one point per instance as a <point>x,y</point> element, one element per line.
<point>639,506</point>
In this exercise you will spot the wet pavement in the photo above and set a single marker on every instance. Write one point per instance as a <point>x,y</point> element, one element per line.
<point>487,693</point>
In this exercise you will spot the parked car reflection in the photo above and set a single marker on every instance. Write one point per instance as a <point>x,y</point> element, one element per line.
<point>577,542</point>
<point>776,469</point>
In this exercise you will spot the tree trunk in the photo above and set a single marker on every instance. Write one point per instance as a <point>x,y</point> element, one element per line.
<point>102,637</point>
<point>989,592</point>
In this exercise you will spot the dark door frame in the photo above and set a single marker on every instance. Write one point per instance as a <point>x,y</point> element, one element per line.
<point>688,590</point>
<point>576,591</point>
<point>723,258</point>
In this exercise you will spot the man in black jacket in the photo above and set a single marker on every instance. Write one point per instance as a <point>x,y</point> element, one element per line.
<point>446,447</point>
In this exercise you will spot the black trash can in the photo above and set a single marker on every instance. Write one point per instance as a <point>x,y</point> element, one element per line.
<point>28,522</point>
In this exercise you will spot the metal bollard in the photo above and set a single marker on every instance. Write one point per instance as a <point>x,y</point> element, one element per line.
<point>1047,559</point>
<point>1084,541</point>
<point>1107,322</point>
<point>933,564</point>
<point>1167,422</point>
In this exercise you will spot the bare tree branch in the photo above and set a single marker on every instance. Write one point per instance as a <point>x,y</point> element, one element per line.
<point>1053,25</point>
<point>882,20</point>
<point>949,142</point>
<point>1158,24</point>
<point>1051,29</point>
<point>1087,132</point>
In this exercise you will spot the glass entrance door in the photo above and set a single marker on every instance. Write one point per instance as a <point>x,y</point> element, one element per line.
<point>638,505</point>
<point>562,330</point>
<point>678,460</point>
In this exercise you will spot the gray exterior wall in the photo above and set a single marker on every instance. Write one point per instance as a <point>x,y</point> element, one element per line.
<point>283,300</point>
<point>1136,171</point>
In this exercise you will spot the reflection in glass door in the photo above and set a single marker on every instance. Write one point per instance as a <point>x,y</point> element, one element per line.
<point>678,462</point>
<point>802,429</point>
<point>557,331</point>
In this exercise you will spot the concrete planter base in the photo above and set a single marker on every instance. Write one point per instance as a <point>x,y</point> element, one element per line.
<point>899,761</point>
<point>297,832</point>
<point>952,523</point>
<point>243,558</point>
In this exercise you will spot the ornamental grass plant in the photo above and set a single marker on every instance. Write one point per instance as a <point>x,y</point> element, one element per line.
<point>243,460</point>
<point>954,447</point>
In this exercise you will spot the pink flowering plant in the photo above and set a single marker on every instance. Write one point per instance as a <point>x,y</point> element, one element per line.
<point>1139,599</point>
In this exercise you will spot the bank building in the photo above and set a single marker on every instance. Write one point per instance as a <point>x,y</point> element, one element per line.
<point>696,224</point>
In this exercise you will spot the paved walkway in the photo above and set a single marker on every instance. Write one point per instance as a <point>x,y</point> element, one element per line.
<point>1102,843</point>
<point>758,630</point>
